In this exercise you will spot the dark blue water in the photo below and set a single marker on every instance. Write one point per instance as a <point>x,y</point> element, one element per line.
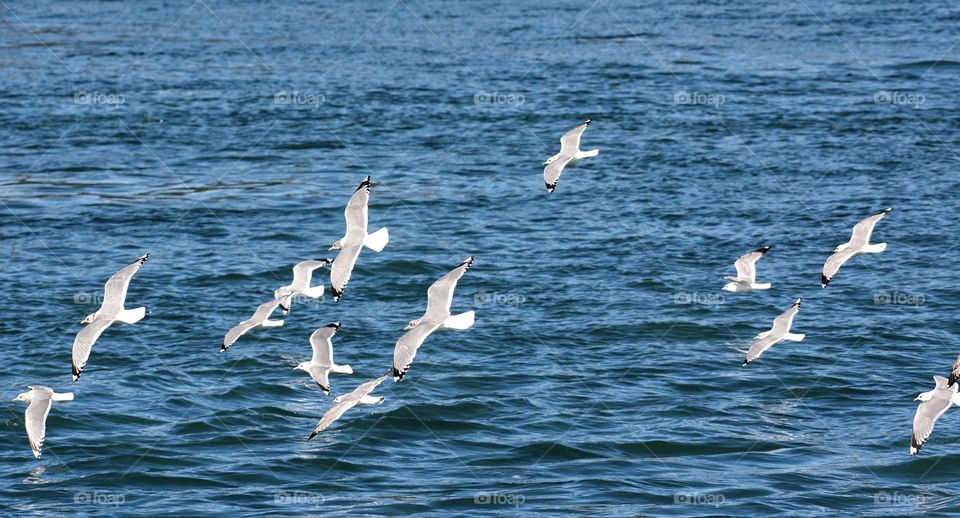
<point>603,375</point>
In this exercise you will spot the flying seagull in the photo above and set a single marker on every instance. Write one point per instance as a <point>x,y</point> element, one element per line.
<point>746,279</point>
<point>39,400</point>
<point>260,318</point>
<point>114,295</point>
<point>437,316</point>
<point>359,396</point>
<point>568,155</point>
<point>321,364</point>
<point>934,404</point>
<point>355,238</point>
<point>779,333</point>
<point>955,372</point>
<point>859,243</point>
<point>302,276</point>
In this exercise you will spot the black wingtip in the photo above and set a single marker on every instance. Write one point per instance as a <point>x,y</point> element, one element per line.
<point>336,294</point>
<point>397,375</point>
<point>312,435</point>
<point>886,210</point>
<point>824,281</point>
<point>550,188</point>
<point>763,249</point>
<point>745,363</point>
<point>365,183</point>
<point>952,380</point>
<point>335,325</point>
<point>588,121</point>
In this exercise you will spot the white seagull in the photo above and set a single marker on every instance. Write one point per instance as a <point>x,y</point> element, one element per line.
<point>355,238</point>
<point>321,364</point>
<point>746,279</point>
<point>437,316</point>
<point>568,155</point>
<point>260,318</point>
<point>302,276</point>
<point>934,403</point>
<point>859,243</point>
<point>779,333</point>
<point>39,400</point>
<point>114,295</point>
<point>359,396</point>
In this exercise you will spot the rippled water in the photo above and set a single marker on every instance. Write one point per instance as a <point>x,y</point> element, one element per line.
<point>603,375</point>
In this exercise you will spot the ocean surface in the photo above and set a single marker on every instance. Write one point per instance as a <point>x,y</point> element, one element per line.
<point>603,376</point>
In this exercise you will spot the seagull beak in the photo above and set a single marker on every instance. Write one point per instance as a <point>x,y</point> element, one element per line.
<point>916,398</point>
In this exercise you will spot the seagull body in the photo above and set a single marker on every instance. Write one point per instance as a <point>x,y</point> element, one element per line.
<point>302,276</point>
<point>39,399</point>
<point>359,396</point>
<point>858,244</point>
<point>437,316</point>
<point>355,238</point>
<point>569,154</point>
<point>260,318</point>
<point>779,333</point>
<point>933,405</point>
<point>114,295</point>
<point>321,364</point>
<point>746,279</point>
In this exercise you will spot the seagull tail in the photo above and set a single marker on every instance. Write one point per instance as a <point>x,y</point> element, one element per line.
<point>65,396</point>
<point>378,240</point>
<point>132,316</point>
<point>588,154</point>
<point>461,321</point>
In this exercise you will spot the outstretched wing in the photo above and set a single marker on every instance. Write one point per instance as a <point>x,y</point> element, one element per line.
<point>407,346</point>
<point>342,268</point>
<point>746,264</point>
<point>115,290</point>
<point>863,230</point>
<point>440,293</point>
<point>356,211</point>
<point>570,142</point>
<point>36,419</point>
<point>833,264</point>
<point>322,343</point>
<point>83,343</point>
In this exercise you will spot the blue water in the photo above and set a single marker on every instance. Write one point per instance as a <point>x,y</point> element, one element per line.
<point>603,375</point>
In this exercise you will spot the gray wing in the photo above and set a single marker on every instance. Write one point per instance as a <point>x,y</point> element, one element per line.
<point>833,264</point>
<point>84,341</point>
<point>322,376</point>
<point>236,332</point>
<point>115,290</point>
<point>333,414</point>
<point>322,343</point>
<point>759,347</point>
<point>356,211</point>
<point>746,264</point>
<point>440,293</point>
<point>551,173</point>
<point>36,418</point>
<point>342,269</point>
<point>366,388</point>
<point>303,273</point>
<point>863,230</point>
<point>782,323</point>
<point>264,310</point>
<point>407,347</point>
<point>928,412</point>
<point>570,142</point>
<point>955,372</point>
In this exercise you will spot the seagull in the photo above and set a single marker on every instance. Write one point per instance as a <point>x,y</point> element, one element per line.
<point>437,316</point>
<point>355,238</point>
<point>260,318</point>
<point>779,333</point>
<point>302,275</point>
<point>746,279</point>
<point>568,155</point>
<point>114,295</point>
<point>934,404</point>
<point>955,372</point>
<point>859,244</point>
<point>359,396</point>
<point>39,400</point>
<point>321,365</point>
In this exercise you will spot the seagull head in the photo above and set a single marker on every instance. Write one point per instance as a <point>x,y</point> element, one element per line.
<point>924,396</point>
<point>336,245</point>
<point>338,399</point>
<point>302,367</point>
<point>412,324</point>
<point>89,318</point>
<point>23,396</point>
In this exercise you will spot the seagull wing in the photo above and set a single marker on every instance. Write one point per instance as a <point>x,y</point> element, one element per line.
<point>343,267</point>
<point>440,294</point>
<point>863,230</point>
<point>570,142</point>
<point>781,324</point>
<point>36,417</point>
<point>321,374</point>
<point>746,264</point>
<point>303,273</point>
<point>760,346</point>
<point>115,290</point>
<point>356,211</point>
<point>551,173</point>
<point>236,332</point>
<point>833,264</point>
<point>84,341</point>
<point>322,343</point>
<point>333,414</point>
<point>407,347</point>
